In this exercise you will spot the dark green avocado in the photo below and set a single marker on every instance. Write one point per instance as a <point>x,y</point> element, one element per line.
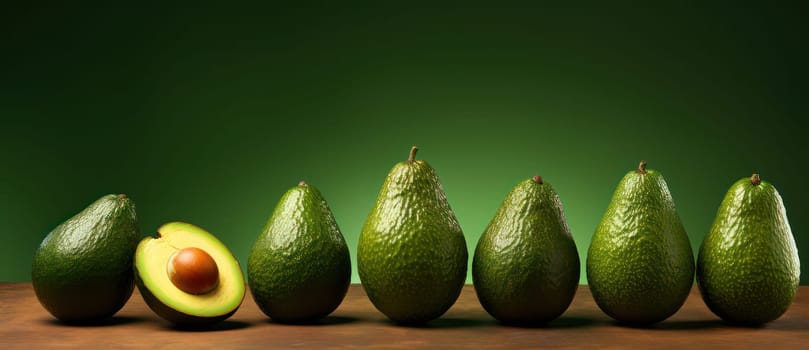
<point>748,268</point>
<point>82,271</point>
<point>299,268</point>
<point>640,266</point>
<point>526,266</point>
<point>412,255</point>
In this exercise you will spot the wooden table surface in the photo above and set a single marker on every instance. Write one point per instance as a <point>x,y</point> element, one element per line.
<point>357,324</point>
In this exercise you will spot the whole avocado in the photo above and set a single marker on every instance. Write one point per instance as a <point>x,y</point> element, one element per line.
<point>526,266</point>
<point>82,271</point>
<point>640,266</point>
<point>412,255</point>
<point>748,269</point>
<point>299,268</point>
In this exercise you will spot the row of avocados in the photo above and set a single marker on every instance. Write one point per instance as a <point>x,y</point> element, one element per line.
<point>412,257</point>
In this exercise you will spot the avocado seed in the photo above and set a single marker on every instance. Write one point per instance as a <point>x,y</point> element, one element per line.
<point>193,271</point>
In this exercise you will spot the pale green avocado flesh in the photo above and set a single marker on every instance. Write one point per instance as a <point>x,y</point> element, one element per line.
<point>173,304</point>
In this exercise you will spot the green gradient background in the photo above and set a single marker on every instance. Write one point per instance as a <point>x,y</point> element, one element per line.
<point>208,115</point>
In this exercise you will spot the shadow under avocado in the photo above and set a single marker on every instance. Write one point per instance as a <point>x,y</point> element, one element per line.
<point>445,323</point>
<point>107,322</point>
<point>794,324</point>
<point>325,321</point>
<point>559,323</point>
<point>219,326</point>
<point>675,325</point>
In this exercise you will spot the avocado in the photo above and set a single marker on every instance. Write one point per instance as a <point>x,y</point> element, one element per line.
<point>82,271</point>
<point>412,256</point>
<point>640,266</point>
<point>748,268</point>
<point>526,266</point>
<point>187,276</point>
<point>299,268</point>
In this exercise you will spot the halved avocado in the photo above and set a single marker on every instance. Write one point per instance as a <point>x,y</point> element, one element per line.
<point>154,262</point>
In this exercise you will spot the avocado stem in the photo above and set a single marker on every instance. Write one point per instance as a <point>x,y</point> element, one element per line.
<point>755,180</point>
<point>642,167</point>
<point>302,183</point>
<point>537,179</point>
<point>412,156</point>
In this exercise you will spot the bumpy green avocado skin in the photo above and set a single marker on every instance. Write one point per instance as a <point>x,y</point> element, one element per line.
<point>640,266</point>
<point>299,268</point>
<point>82,271</point>
<point>526,266</point>
<point>748,268</point>
<point>412,255</point>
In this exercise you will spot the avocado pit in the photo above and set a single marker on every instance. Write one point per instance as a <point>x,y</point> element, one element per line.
<point>193,271</point>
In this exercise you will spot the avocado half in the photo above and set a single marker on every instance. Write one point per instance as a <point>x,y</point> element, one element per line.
<point>152,259</point>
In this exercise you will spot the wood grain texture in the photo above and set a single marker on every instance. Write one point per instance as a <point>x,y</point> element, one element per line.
<point>356,324</point>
